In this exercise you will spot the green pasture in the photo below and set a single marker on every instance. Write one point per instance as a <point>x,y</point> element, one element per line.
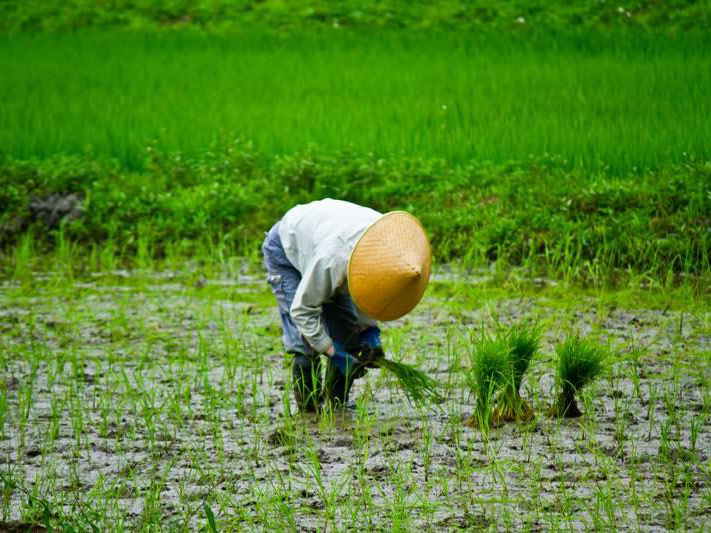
<point>620,101</point>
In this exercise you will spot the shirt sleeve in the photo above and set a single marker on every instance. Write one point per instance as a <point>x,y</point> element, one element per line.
<point>319,282</point>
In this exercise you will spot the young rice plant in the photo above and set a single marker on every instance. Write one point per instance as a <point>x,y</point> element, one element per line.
<point>418,386</point>
<point>490,368</point>
<point>523,344</point>
<point>580,362</point>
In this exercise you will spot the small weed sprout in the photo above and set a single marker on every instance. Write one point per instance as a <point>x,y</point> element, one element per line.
<point>523,343</point>
<point>579,363</point>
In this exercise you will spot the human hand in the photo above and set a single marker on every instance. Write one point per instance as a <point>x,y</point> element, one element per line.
<point>370,337</point>
<point>371,349</point>
<point>348,365</point>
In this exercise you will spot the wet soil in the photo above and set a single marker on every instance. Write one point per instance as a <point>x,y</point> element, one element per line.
<point>133,402</point>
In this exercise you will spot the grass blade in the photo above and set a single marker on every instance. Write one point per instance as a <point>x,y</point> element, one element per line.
<point>210,517</point>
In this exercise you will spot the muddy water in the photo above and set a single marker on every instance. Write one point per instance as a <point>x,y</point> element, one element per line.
<point>132,403</point>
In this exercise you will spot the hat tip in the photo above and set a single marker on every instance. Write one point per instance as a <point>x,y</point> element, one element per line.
<point>413,271</point>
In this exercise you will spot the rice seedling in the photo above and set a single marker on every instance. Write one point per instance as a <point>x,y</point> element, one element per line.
<point>523,343</point>
<point>580,362</point>
<point>419,388</point>
<point>490,370</point>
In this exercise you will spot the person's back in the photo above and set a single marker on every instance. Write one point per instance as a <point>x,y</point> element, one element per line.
<point>323,228</point>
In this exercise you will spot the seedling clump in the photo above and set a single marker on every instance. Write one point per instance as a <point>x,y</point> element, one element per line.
<point>522,345</point>
<point>490,371</point>
<point>579,362</point>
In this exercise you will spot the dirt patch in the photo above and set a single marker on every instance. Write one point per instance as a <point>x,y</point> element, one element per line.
<point>50,210</point>
<point>54,208</point>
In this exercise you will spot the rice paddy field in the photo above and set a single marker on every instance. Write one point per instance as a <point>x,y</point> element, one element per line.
<point>134,401</point>
<point>625,100</point>
<point>557,155</point>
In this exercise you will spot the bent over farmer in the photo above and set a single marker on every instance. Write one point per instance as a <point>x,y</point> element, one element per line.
<point>336,268</point>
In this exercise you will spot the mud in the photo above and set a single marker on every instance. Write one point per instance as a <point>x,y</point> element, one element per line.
<point>51,210</point>
<point>133,404</point>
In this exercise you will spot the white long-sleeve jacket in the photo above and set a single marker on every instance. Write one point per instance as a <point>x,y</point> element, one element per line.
<point>318,238</point>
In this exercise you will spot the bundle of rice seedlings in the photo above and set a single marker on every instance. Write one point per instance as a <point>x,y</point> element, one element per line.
<point>490,370</point>
<point>419,388</point>
<point>523,343</point>
<point>579,362</point>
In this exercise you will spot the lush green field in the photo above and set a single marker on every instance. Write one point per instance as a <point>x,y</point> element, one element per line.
<point>619,101</point>
<point>574,153</point>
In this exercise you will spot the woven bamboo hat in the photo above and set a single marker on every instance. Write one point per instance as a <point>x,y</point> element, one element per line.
<point>389,266</point>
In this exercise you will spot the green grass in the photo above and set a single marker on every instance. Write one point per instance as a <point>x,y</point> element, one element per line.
<point>649,230</point>
<point>618,101</point>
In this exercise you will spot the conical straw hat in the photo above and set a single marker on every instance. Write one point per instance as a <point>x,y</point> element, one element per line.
<point>389,266</point>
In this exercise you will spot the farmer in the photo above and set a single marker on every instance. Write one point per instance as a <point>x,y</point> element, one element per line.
<point>335,268</point>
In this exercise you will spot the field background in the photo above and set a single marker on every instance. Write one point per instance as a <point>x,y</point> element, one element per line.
<point>570,139</point>
<point>221,15</point>
<point>631,101</point>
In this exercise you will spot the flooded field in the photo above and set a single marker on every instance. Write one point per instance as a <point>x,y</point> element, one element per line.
<point>156,401</point>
